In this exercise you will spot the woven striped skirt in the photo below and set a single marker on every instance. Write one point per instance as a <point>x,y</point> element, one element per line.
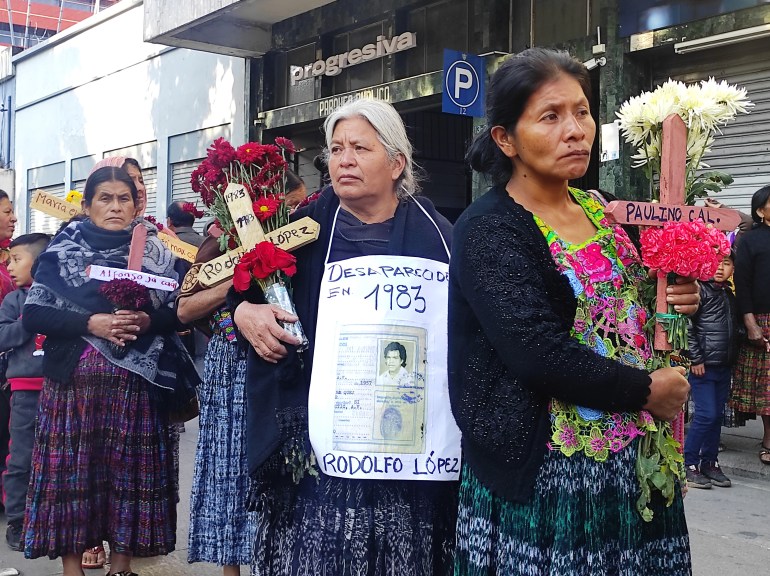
<point>102,467</point>
<point>751,376</point>
<point>221,530</point>
<point>339,527</point>
<point>581,521</point>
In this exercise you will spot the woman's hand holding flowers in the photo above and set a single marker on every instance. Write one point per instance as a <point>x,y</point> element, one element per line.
<point>118,328</point>
<point>259,325</point>
<point>668,391</point>
<point>684,295</point>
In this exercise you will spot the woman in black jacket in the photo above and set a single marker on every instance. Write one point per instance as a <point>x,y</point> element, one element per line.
<point>547,351</point>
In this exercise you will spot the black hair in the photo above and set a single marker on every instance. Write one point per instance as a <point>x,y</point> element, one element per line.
<point>396,347</point>
<point>322,166</point>
<point>758,200</point>
<point>293,181</point>
<point>178,216</point>
<point>132,162</point>
<point>107,174</point>
<point>509,91</point>
<point>35,242</point>
<point>4,195</point>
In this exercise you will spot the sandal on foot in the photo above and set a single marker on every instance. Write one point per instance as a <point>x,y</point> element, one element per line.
<point>123,573</point>
<point>764,455</point>
<point>98,552</point>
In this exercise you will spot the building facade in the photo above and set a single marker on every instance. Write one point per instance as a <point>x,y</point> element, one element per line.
<point>99,90</point>
<point>24,23</point>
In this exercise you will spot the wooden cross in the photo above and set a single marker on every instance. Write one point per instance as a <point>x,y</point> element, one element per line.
<point>250,233</point>
<point>671,207</point>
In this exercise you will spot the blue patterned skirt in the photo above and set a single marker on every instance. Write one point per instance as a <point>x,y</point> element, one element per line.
<point>221,530</point>
<point>581,521</point>
<point>102,466</point>
<point>341,527</point>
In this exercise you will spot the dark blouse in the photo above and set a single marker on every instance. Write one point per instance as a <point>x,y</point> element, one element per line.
<point>510,349</point>
<point>752,271</point>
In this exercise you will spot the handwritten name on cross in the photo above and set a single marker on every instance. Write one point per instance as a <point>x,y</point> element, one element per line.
<point>289,237</point>
<point>671,208</point>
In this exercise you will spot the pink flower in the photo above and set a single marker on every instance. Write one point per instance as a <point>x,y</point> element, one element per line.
<point>689,249</point>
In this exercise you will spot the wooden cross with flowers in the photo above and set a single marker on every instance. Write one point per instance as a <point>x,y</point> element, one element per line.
<point>671,208</point>
<point>254,175</point>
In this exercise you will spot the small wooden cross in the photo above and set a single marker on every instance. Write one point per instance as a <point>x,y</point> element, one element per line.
<point>289,237</point>
<point>671,207</point>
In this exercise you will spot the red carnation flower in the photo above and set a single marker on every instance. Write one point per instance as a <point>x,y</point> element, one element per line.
<point>689,249</point>
<point>250,153</point>
<point>260,262</point>
<point>221,153</point>
<point>152,220</point>
<point>190,208</point>
<point>265,207</point>
<point>125,294</point>
<point>286,144</point>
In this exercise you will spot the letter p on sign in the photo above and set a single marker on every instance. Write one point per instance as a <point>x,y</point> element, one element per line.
<point>463,80</point>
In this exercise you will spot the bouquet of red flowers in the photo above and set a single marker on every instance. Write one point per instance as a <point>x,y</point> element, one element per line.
<point>689,249</point>
<point>261,170</point>
<point>124,294</point>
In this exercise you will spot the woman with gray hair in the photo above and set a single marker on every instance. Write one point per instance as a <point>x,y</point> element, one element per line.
<point>359,501</point>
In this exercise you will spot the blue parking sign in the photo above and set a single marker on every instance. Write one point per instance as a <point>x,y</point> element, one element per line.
<point>463,84</point>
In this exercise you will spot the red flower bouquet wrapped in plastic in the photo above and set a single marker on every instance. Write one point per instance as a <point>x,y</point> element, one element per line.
<point>689,249</point>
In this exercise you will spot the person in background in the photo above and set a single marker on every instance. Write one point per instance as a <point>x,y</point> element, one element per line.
<point>180,217</point>
<point>132,168</point>
<point>548,350</point>
<point>751,377</point>
<point>222,531</point>
<point>25,375</point>
<point>7,285</point>
<point>712,348</point>
<point>296,191</point>
<point>102,465</point>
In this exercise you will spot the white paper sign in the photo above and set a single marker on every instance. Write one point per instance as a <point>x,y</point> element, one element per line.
<point>149,280</point>
<point>610,141</point>
<point>379,398</point>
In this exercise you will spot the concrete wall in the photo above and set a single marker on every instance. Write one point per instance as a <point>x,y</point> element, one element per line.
<point>103,88</point>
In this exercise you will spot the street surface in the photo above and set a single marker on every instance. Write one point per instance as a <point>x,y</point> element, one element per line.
<point>729,527</point>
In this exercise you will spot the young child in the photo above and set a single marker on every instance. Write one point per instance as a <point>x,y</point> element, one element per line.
<point>25,374</point>
<point>713,347</point>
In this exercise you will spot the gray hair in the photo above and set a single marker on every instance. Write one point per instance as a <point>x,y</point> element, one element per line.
<point>390,132</point>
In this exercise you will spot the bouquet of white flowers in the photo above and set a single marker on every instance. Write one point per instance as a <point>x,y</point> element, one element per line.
<point>703,107</point>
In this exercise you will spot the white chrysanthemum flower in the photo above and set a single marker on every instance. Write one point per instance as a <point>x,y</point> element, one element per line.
<point>704,108</point>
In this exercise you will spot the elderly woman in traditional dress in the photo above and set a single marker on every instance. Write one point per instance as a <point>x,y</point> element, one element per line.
<point>356,504</point>
<point>102,467</point>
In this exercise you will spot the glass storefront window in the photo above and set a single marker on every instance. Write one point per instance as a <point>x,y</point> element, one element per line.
<point>558,20</point>
<point>301,90</point>
<point>440,25</point>
<point>364,74</point>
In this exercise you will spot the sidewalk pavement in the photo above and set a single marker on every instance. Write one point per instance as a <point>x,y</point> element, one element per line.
<point>175,564</point>
<point>741,454</point>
